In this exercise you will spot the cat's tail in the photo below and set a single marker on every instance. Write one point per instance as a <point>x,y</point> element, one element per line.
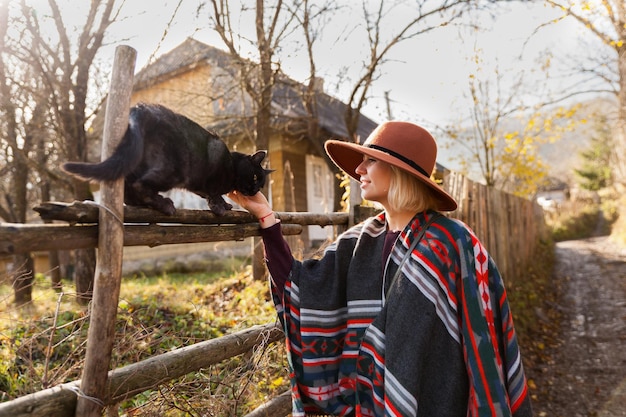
<point>124,160</point>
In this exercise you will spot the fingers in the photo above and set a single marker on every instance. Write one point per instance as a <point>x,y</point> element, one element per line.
<point>235,196</point>
<point>256,204</point>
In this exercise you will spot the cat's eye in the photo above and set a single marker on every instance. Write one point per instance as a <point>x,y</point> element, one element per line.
<point>255,178</point>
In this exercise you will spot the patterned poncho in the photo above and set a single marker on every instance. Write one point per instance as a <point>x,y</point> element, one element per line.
<point>439,342</point>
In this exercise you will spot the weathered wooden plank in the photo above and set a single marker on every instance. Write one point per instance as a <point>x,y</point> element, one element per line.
<point>20,238</point>
<point>319,219</point>
<point>60,401</point>
<point>108,275</point>
<point>87,212</point>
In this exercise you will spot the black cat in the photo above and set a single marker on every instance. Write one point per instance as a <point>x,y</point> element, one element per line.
<point>162,150</point>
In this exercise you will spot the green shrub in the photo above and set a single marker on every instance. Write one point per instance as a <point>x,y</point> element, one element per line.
<point>576,220</point>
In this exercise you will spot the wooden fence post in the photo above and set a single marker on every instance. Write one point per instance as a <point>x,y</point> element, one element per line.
<point>354,202</point>
<point>101,335</point>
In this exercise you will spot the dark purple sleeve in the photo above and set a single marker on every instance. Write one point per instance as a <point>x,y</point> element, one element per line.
<point>278,257</point>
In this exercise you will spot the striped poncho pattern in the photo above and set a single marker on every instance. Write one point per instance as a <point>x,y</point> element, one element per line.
<point>442,343</point>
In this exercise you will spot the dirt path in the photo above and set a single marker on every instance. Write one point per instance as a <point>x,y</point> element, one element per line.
<point>586,375</point>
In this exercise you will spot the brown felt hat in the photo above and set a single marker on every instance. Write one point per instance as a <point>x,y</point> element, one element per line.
<point>401,144</point>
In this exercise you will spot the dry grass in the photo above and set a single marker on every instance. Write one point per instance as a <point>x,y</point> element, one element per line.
<point>618,232</point>
<point>43,344</point>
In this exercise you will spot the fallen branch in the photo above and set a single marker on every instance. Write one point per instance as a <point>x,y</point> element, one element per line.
<point>125,382</point>
<point>277,406</point>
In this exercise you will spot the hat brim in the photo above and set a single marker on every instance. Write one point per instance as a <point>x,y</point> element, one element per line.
<point>348,156</point>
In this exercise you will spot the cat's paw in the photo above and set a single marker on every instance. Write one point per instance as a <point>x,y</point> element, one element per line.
<point>220,209</point>
<point>169,210</point>
<point>165,206</point>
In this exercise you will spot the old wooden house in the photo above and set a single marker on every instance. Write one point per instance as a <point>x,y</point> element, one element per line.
<point>200,81</point>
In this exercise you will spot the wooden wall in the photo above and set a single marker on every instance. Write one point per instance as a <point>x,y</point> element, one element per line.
<point>188,93</point>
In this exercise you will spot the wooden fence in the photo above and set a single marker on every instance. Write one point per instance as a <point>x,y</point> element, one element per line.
<point>508,226</point>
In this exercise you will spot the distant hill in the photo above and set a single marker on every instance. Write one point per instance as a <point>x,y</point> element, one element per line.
<point>564,155</point>
<point>561,157</point>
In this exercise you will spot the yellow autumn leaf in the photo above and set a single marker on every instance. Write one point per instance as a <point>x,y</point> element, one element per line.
<point>277,382</point>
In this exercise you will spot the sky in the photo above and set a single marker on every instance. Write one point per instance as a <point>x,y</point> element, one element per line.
<point>426,78</point>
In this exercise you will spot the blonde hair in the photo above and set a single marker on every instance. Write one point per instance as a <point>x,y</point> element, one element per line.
<point>408,193</point>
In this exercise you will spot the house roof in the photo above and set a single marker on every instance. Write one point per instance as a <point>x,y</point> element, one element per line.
<point>553,184</point>
<point>287,93</point>
<point>184,57</point>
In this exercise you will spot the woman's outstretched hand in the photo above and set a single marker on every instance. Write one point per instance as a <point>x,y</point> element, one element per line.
<point>257,205</point>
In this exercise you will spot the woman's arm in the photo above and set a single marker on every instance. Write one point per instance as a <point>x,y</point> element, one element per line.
<point>278,257</point>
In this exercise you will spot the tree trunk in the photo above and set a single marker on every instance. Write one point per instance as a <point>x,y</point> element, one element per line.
<point>84,271</point>
<point>55,270</point>
<point>53,256</point>
<point>263,118</point>
<point>85,265</point>
<point>23,277</point>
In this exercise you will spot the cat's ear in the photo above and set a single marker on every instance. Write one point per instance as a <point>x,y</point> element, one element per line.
<point>258,156</point>
<point>269,171</point>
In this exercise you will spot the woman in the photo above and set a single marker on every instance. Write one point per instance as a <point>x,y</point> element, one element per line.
<point>405,314</point>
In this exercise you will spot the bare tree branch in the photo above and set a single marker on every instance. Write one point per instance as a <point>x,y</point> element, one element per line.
<point>447,12</point>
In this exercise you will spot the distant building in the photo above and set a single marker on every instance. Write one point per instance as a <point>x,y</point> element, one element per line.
<point>551,195</point>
